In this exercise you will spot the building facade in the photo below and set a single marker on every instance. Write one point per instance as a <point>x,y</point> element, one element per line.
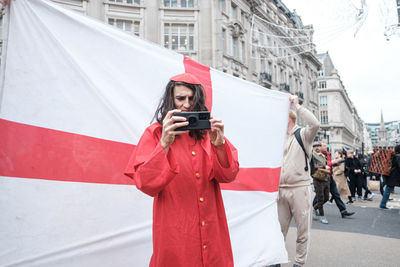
<point>341,125</point>
<point>384,134</point>
<point>258,40</point>
<point>368,147</point>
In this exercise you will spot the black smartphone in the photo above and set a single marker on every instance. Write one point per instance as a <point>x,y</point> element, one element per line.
<point>198,120</point>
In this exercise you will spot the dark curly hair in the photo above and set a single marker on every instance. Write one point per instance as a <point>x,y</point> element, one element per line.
<point>167,103</point>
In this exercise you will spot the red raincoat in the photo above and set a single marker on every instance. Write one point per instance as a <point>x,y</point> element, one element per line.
<point>189,222</point>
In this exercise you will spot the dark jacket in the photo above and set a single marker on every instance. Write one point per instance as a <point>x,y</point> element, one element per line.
<point>352,164</point>
<point>394,178</point>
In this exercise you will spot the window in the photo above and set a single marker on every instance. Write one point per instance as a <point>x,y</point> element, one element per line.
<point>398,11</point>
<point>243,52</point>
<point>324,117</point>
<point>223,41</point>
<point>223,5</point>
<point>136,2</point>
<point>187,3</point>
<point>125,25</point>
<point>322,84</point>
<point>170,3</point>
<point>179,37</point>
<point>234,12</point>
<point>179,3</point>
<point>262,65</point>
<point>323,100</point>
<point>136,28</point>
<point>320,73</point>
<point>261,35</point>
<point>234,46</point>
<point>269,70</point>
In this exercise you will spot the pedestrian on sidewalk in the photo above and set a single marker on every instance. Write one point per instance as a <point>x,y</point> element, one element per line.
<point>353,169</point>
<point>332,183</point>
<point>363,177</point>
<point>393,179</point>
<point>295,183</point>
<point>320,174</point>
<point>339,177</point>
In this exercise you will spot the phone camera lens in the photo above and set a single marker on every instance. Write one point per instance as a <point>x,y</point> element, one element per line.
<point>192,120</point>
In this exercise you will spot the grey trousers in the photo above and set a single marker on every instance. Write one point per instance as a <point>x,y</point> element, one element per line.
<point>295,202</point>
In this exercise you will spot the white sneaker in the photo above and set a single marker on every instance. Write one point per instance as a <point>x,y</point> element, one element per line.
<point>370,196</point>
<point>323,220</point>
<point>315,215</point>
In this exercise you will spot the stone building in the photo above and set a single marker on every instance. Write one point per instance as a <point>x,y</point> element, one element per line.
<point>341,125</point>
<point>368,147</point>
<point>258,40</point>
<point>384,134</point>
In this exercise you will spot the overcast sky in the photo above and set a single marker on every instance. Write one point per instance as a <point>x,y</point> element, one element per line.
<point>368,64</point>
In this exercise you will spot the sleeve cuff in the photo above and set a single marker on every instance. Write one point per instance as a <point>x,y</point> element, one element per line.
<point>160,153</point>
<point>228,174</point>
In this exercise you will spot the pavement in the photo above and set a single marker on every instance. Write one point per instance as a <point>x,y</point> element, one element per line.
<point>371,237</point>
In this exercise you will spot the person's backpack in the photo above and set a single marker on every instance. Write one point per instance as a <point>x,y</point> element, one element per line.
<point>311,163</point>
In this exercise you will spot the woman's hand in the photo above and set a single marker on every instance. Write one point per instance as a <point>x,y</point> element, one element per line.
<point>169,126</point>
<point>217,132</point>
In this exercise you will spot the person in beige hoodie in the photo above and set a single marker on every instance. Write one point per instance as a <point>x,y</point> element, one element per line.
<point>294,199</point>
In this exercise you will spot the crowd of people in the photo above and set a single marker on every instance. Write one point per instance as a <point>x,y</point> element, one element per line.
<point>344,176</point>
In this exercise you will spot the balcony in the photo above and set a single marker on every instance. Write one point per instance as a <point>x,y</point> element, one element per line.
<point>265,76</point>
<point>285,87</point>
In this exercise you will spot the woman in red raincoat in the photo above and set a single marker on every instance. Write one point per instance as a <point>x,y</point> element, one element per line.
<point>182,171</point>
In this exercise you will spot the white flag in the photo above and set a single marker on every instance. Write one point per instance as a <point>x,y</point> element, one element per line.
<point>76,96</point>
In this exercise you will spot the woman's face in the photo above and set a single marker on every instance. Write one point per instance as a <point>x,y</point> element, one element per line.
<point>337,155</point>
<point>183,98</point>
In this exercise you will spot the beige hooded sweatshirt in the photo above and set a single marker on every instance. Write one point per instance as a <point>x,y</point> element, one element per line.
<point>293,173</point>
